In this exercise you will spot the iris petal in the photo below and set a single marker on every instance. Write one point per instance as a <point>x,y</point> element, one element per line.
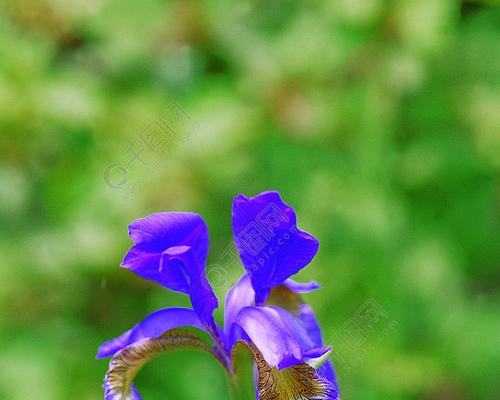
<point>296,382</point>
<point>310,348</point>
<point>171,248</point>
<point>167,229</point>
<point>155,234</point>
<point>298,287</point>
<point>239,296</point>
<point>153,325</point>
<point>327,373</point>
<point>143,263</point>
<point>303,314</point>
<point>190,273</point>
<point>270,245</point>
<point>265,328</point>
<point>126,363</point>
<point>310,323</point>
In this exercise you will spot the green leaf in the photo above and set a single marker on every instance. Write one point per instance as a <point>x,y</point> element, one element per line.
<point>242,378</point>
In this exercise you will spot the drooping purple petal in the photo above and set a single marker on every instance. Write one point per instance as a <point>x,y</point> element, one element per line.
<point>265,328</point>
<point>302,314</point>
<point>153,325</point>
<point>156,233</point>
<point>242,295</point>
<point>299,381</point>
<point>135,393</point>
<point>109,394</point>
<point>270,245</point>
<point>326,372</point>
<point>310,348</point>
<point>126,363</point>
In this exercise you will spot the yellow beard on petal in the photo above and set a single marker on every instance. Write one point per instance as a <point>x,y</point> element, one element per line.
<point>283,297</point>
<point>125,364</point>
<point>299,382</point>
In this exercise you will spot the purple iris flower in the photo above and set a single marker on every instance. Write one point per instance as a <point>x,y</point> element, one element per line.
<point>263,313</point>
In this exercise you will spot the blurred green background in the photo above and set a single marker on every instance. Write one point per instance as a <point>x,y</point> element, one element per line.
<point>379,121</point>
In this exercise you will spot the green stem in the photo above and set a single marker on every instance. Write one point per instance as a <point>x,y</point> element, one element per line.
<point>235,388</point>
<point>241,386</point>
<point>241,377</point>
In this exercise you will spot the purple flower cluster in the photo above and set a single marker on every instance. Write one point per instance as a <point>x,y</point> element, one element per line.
<point>263,310</point>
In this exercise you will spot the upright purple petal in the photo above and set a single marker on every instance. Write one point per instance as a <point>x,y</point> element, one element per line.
<point>239,296</point>
<point>184,261</point>
<point>166,229</point>
<point>157,233</point>
<point>153,325</point>
<point>271,246</point>
<point>171,248</point>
